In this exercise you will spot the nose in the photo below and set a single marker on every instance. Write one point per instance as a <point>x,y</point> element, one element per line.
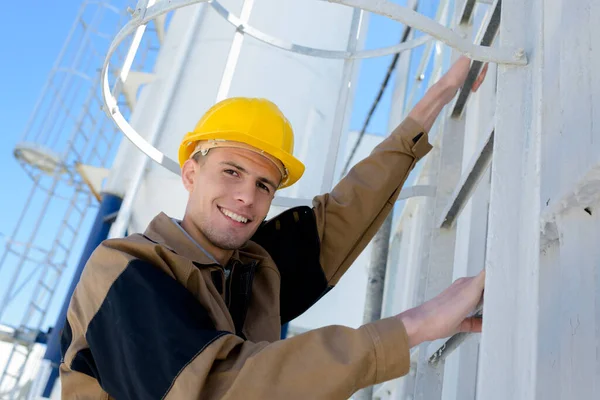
<point>246,193</point>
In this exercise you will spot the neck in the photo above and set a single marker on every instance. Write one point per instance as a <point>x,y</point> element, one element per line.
<point>221,255</point>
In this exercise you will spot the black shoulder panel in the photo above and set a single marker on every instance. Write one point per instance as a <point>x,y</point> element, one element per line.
<point>292,240</point>
<point>148,328</point>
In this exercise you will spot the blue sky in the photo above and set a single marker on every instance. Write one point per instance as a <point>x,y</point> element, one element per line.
<point>30,43</point>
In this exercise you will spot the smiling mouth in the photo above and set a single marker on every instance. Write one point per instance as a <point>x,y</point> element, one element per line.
<point>233,216</point>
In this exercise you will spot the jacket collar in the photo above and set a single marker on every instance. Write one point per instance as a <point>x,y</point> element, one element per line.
<point>164,231</point>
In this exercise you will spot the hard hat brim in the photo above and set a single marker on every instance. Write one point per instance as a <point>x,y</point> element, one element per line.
<point>294,166</point>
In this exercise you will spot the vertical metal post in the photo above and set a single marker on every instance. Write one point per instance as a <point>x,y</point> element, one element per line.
<point>375,284</point>
<point>234,53</point>
<point>344,99</point>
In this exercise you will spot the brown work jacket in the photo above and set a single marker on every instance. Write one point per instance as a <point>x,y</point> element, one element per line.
<point>152,317</point>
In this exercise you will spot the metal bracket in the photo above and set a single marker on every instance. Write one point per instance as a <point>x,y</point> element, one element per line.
<point>134,81</point>
<point>485,37</point>
<point>446,35</point>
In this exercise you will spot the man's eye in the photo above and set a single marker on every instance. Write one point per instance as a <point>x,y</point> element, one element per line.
<point>231,172</point>
<point>263,187</point>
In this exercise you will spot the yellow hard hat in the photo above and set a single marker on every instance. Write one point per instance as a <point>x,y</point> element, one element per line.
<point>238,121</point>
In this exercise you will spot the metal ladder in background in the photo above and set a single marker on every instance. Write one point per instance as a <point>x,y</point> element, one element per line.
<point>67,133</point>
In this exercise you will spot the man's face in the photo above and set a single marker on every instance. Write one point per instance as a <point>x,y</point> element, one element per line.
<point>230,194</point>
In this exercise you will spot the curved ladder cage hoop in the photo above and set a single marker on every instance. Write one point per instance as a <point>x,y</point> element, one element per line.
<point>434,30</point>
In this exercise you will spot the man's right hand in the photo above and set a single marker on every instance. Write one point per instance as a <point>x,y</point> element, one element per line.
<point>446,314</point>
<point>443,91</point>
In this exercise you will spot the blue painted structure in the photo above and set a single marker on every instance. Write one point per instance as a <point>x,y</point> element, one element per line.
<point>109,206</point>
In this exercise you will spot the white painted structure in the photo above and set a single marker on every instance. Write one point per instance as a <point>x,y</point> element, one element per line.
<point>517,193</point>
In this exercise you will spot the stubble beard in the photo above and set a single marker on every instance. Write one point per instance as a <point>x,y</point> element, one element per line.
<point>223,240</point>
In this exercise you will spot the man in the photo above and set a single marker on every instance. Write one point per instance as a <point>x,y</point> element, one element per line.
<point>193,309</point>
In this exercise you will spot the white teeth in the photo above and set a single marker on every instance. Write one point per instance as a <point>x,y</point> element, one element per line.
<point>234,216</point>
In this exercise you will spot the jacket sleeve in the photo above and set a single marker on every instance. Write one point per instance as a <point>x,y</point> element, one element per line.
<point>349,216</point>
<point>134,332</point>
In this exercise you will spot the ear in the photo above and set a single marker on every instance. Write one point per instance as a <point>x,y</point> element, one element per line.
<point>188,174</point>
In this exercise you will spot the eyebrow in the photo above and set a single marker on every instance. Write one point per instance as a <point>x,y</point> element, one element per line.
<point>242,169</point>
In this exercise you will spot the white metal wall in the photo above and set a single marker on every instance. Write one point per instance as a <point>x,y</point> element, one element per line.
<point>542,324</point>
<point>532,220</point>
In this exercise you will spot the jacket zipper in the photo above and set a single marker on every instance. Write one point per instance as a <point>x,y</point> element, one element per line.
<point>238,301</point>
<point>228,283</point>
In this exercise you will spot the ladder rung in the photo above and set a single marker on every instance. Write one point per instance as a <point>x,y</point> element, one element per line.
<point>51,264</point>
<point>102,135</point>
<point>45,289</point>
<point>15,377</point>
<point>42,300</point>
<point>82,133</point>
<point>76,153</point>
<point>68,244</point>
<point>70,227</point>
<point>73,150</point>
<point>54,266</point>
<point>24,354</point>
<point>36,307</point>
<point>33,260</point>
<point>48,288</point>
<point>77,209</point>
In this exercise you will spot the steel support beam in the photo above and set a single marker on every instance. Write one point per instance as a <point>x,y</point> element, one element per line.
<point>469,180</point>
